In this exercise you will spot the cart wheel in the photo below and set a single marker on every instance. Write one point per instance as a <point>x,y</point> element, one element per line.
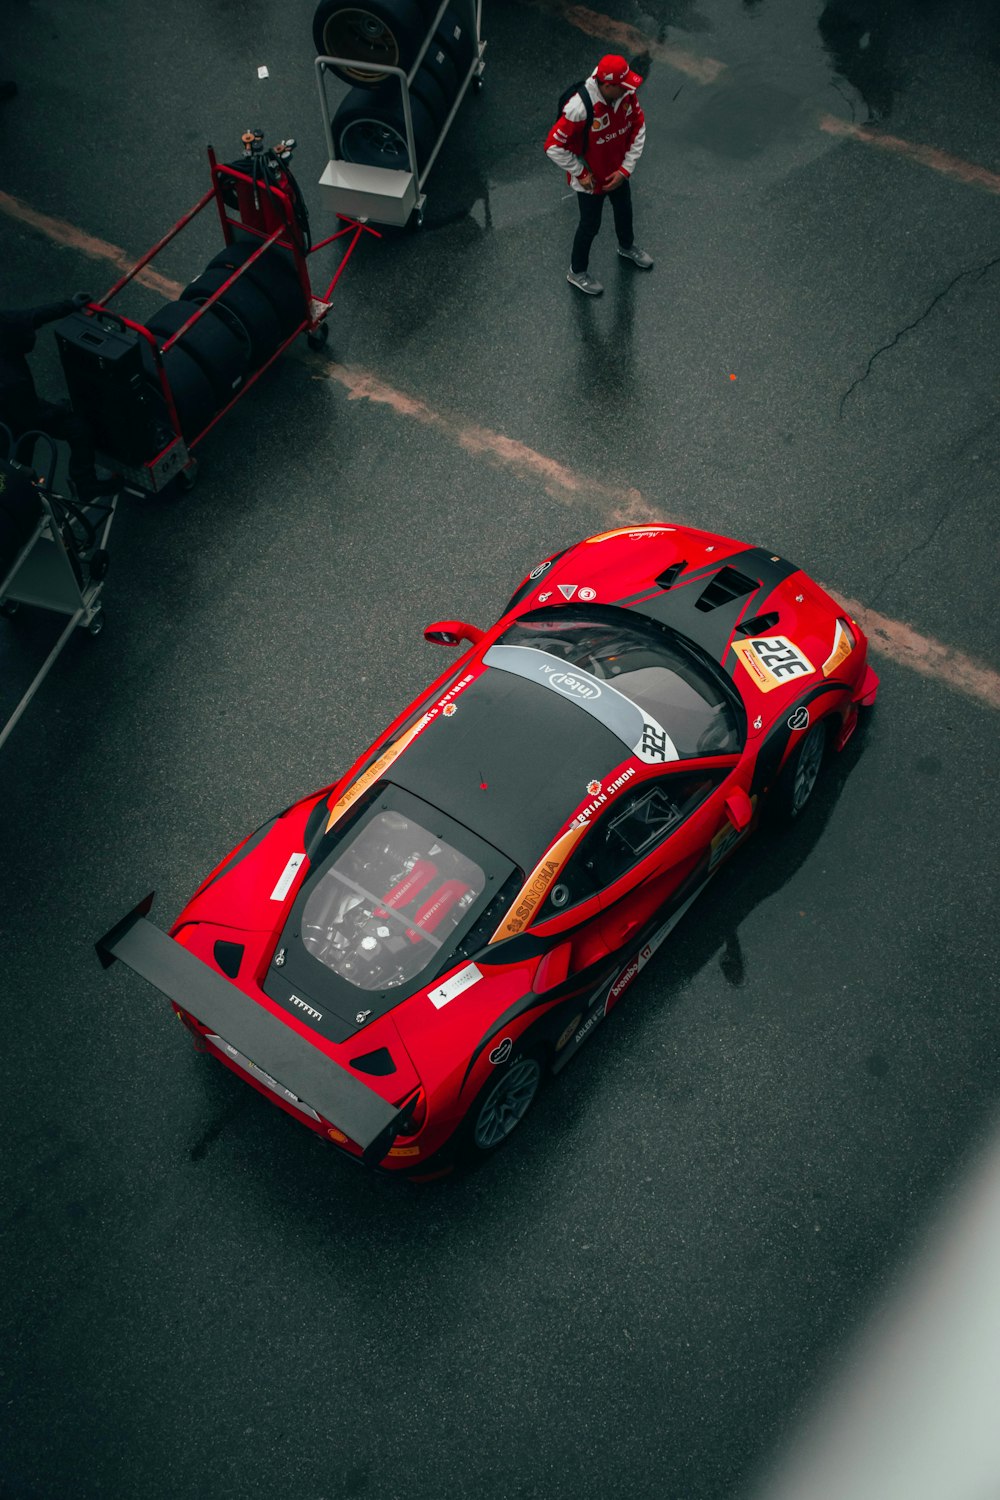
<point>477,83</point>
<point>10,607</point>
<point>189,474</point>
<point>319,337</point>
<point>99,564</point>
<point>96,625</point>
<point>417,219</point>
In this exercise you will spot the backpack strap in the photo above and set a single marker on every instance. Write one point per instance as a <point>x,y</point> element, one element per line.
<point>588,105</point>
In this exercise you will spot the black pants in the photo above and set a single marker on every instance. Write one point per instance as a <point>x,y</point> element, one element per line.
<point>591,209</point>
<point>60,422</point>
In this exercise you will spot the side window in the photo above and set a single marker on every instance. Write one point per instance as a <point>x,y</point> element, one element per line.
<point>646,819</point>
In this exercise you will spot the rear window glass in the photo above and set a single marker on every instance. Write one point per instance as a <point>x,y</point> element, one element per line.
<point>646,664</point>
<point>391,900</point>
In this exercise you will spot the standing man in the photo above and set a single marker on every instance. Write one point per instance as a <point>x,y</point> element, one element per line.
<point>597,141</point>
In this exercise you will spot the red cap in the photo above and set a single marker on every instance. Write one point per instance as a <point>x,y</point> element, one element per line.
<point>614,69</point>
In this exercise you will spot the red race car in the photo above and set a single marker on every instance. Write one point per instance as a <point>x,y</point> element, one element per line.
<point>398,959</point>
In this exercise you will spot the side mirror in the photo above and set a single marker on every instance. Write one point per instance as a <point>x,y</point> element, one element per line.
<point>739,809</point>
<point>452,633</point>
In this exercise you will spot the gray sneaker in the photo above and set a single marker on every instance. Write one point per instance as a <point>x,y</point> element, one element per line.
<point>637,257</point>
<point>584,282</point>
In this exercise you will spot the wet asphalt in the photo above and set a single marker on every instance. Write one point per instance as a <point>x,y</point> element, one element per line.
<point>642,1292</point>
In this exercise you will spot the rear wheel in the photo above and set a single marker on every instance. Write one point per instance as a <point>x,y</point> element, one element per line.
<point>501,1106</point>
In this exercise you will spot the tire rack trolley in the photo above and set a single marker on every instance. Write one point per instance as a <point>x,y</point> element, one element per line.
<point>273,207</point>
<point>382,193</point>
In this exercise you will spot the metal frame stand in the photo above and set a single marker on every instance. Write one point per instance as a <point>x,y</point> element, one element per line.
<point>381,193</point>
<point>43,574</point>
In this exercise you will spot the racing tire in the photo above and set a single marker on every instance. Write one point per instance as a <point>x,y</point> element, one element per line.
<point>500,1106</point>
<point>273,275</point>
<point>372,133</point>
<point>216,348</point>
<point>373,34</point>
<point>193,392</point>
<point>244,307</point>
<point>797,782</point>
<point>440,64</point>
<point>455,34</point>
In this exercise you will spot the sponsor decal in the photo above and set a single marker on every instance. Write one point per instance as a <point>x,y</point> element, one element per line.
<point>572,685</point>
<point>588,1025</point>
<point>459,982</point>
<point>404,1151</point>
<point>567,590</point>
<point>842,648</point>
<point>547,595</point>
<point>799,718</point>
<point>536,887</point>
<point>588,594</point>
<point>501,1051</point>
<point>542,568</point>
<point>634,533</point>
<point>449,709</point>
<point>567,1035</point>
<point>362,1016</point>
<point>800,598</point>
<point>287,875</point>
<point>297,1000</point>
<point>600,796</point>
<point>758,723</point>
<point>337,1135</point>
<point>626,977</point>
<point>772,660</point>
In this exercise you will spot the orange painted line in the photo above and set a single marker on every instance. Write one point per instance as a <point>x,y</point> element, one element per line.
<point>923,654</point>
<point>626,504</point>
<point>75,239</point>
<point>632,42</point>
<point>926,156</point>
<point>559,481</point>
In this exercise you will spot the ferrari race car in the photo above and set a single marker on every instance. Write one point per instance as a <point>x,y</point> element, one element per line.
<point>398,959</point>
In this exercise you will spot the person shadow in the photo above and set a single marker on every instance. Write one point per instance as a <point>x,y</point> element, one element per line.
<point>605,372</point>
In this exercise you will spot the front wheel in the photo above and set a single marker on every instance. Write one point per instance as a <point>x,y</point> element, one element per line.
<point>798,780</point>
<point>501,1106</point>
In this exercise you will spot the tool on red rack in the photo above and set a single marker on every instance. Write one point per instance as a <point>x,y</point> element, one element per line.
<point>152,391</point>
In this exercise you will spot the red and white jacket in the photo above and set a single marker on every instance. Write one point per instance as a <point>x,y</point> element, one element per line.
<point>616,139</point>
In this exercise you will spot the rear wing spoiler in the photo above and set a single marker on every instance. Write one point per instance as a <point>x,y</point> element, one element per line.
<point>364,1116</point>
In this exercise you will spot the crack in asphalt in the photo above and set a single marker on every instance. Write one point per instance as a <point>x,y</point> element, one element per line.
<point>978,271</point>
<point>884,582</point>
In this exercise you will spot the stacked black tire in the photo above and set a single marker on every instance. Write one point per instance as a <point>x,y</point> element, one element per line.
<point>233,338</point>
<point>369,126</point>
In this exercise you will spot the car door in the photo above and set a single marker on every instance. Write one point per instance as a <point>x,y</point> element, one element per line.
<point>653,848</point>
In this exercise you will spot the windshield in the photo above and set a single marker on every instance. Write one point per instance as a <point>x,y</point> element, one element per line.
<point>644,663</point>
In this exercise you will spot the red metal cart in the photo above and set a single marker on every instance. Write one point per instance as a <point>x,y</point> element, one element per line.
<point>118,370</point>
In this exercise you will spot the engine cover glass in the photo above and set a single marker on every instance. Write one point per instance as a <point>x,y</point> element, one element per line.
<point>383,911</point>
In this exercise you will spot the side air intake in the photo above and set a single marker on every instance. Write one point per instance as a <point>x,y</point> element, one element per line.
<point>726,586</point>
<point>757,624</point>
<point>670,575</point>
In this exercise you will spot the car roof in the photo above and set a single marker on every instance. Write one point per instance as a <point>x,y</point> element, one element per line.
<point>512,763</point>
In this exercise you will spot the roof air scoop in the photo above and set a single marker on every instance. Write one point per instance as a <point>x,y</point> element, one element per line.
<point>670,575</point>
<point>726,586</point>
